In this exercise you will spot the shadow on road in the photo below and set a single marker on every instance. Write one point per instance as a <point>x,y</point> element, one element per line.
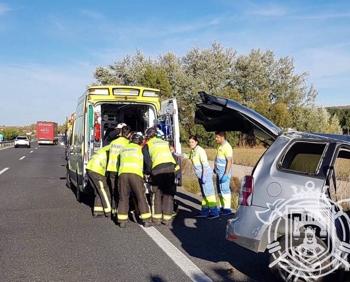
<point>205,239</point>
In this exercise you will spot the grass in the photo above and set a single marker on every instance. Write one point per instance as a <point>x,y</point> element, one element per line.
<point>241,155</point>
<point>190,183</point>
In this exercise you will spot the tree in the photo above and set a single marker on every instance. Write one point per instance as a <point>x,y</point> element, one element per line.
<point>258,80</point>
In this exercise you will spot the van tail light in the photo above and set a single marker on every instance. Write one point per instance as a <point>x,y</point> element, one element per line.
<point>97,132</point>
<point>247,190</point>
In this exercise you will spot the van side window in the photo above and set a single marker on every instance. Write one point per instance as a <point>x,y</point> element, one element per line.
<point>303,157</point>
<point>341,189</point>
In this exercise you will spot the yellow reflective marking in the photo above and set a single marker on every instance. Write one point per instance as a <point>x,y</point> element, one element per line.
<point>105,195</point>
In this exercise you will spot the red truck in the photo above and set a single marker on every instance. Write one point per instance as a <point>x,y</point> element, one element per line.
<point>46,132</point>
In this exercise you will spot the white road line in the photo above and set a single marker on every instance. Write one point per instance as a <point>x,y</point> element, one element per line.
<point>31,152</point>
<point>2,171</point>
<point>36,148</point>
<point>21,158</point>
<point>187,266</point>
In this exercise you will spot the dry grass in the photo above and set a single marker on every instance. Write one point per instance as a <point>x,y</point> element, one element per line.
<point>241,155</point>
<point>190,183</point>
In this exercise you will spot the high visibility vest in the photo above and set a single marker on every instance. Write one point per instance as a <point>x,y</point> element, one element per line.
<point>116,146</point>
<point>131,160</point>
<point>159,152</point>
<point>199,159</point>
<point>98,162</point>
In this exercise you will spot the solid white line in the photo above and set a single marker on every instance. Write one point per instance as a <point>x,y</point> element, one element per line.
<point>2,171</point>
<point>21,158</point>
<point>30,152</point>
<point>187,266</point>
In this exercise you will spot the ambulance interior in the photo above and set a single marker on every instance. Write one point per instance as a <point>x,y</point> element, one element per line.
<point>138,116</point>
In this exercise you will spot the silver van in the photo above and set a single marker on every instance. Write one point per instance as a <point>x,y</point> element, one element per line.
<point>294,206</point>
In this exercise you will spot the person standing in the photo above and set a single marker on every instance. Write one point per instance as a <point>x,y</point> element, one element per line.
<point>116,146</point>
<point>130,179</point>
<point>204,173</point>
<point>222,168</point>
<point>96,172</point>
<point>160,164</point>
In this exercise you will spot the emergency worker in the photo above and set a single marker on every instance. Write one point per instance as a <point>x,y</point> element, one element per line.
<point>160,164</point>
<point>204,173</point>
<point>222,168</point>
<point>130,179</point>
<point>116,146</point>
<point>96,171</point>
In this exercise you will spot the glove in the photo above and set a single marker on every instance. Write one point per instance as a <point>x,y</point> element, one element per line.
<point>224,179</point>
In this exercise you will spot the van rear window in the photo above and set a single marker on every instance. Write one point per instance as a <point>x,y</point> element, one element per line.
<point>303,157</point>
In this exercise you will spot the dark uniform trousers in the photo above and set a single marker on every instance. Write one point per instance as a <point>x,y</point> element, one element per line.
<point>113,178</point>
<point>101,191</point>
<point>128,182</point>
<point>164,189</point>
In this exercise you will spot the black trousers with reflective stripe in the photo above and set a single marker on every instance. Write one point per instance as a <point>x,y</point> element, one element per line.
<point>165,189</point>
<point>101,191</point>
<point>127,183</point>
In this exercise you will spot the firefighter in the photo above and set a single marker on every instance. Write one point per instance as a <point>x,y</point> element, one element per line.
<point>222,168</point>
<point>130,179</point>
<point>116,146</point>
<point>96,171</point>
<point>160,164</point>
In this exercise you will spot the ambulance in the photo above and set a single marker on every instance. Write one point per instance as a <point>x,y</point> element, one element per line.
<point>100,109</point>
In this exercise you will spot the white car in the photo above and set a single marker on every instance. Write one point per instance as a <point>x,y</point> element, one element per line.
<point>22,141</point>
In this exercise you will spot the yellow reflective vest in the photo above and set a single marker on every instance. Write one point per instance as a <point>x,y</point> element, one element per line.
<point>131,160</point>
<point>98,162</point>
<point>116,146</point>
<point>159,152</point>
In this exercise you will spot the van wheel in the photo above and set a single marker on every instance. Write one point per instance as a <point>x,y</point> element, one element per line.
<point>78,194</point>
<point>289,266</point>
<point>68,181</point>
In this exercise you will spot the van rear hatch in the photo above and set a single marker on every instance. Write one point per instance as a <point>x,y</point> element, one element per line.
<point>221,114</point>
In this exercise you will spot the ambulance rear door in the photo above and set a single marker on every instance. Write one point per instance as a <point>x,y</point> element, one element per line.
<point>168,120</point>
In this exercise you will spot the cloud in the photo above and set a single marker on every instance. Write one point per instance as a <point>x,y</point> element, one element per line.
<point>92,14</point>
<point>269,11</point>
<point>326,16</point>
<point>44,93</point>
<point>4,9</point>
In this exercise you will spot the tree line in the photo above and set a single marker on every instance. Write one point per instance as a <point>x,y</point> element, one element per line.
<point>259,80</point>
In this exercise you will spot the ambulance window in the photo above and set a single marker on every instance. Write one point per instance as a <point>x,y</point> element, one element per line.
<point>125,92</point>
<point>98,91</point>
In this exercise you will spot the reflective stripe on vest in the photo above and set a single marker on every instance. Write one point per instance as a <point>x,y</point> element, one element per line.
<point>116,146</point>
<point>131,160</point>
<point>159,152</point>
<point>98,162</point>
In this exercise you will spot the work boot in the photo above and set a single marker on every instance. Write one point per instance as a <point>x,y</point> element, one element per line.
<point>147,223</point>
<point>156,221</point>
<point>213,213</point>
<point>167,222</point>
<point>203,213</point>
<point>122,224</point>
<point>226,212</point>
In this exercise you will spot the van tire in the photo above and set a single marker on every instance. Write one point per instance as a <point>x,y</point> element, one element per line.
<point>280,273</point>
<point>68,181</point>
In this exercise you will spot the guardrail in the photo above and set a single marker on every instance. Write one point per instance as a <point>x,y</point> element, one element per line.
<point>7,144</point>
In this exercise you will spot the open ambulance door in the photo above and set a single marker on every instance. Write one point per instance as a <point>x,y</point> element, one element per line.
<point>168,120</point>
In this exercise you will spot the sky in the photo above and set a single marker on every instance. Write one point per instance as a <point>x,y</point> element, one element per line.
<point>50,49</point>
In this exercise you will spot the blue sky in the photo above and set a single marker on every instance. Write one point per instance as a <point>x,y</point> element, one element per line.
<point>49,49</point>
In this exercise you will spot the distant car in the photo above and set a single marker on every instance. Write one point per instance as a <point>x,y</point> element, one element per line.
<point>298,189</point>
<point>22,141</point>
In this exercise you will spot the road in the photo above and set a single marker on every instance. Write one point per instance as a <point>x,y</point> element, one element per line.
<point>46,235</point>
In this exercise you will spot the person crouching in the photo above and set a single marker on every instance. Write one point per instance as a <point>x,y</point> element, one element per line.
<point>130,178</point>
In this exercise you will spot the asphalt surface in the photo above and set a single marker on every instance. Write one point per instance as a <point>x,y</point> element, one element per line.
<point>46,235</point>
